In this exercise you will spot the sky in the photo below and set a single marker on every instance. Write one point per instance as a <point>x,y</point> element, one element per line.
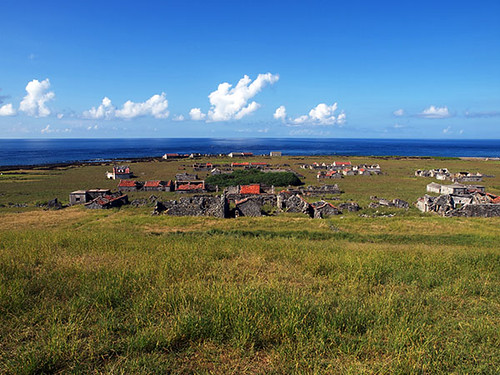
<point>236,69</point>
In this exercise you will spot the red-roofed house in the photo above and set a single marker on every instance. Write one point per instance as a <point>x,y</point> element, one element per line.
<point>250,189</point>
<point>341,163</point>
<point>189,186</point>
<point>155,185</point>
<point>245,164</point>
<point>129,185</point>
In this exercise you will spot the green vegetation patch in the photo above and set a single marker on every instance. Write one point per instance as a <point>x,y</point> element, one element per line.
<point>254,176</point>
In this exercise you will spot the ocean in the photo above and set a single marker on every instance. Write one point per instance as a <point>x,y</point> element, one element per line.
<point>49,151</point>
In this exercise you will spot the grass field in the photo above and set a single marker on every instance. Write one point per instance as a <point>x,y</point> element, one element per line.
<point>121,291</point>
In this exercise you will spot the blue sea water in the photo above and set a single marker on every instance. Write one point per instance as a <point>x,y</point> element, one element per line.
<point>47,151</point>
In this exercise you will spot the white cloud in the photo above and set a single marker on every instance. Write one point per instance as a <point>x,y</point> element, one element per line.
<point>196,114</point>
<point>95,127</point>
<point>105,110</point>
<point>399,112</point>
<point>280,113</point>
<point>178,118</point>
<point>322,114</point>
<point>435,112</point>
<point>399,126</point>
<point>7,110</point>
<point>447,130</point>
<point>48,130</point>
<point>461,131</point>
<point>232,103</point>
<point>156,106</point>
<point>60,116</point>
<point>33,103</point>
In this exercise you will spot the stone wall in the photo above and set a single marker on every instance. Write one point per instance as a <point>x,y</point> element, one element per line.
<point>476,210</point>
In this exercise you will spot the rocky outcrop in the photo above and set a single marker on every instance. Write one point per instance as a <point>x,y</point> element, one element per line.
<point>349,206</point>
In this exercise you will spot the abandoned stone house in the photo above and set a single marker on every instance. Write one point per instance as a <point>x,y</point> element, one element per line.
<point>324,209</point>
<point>129,185</point>
<point>154,185</point>
<point>294,203</point>
<point>248,207</point>
<point>84,196</point>
<point>275,153</point>
<point>186,177</point>
<point>328,174</point>
<point>195,206</point>
<point>108,201</point>
<point>189,186</point>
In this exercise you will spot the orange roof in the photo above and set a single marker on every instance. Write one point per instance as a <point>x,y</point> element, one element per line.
<point>250,189</point>
<point>127,183</point>
<point>190,187</point>
<point>239,164</point>
<point>496,200</point>
<point>155,183</point>
<point>169,183</point>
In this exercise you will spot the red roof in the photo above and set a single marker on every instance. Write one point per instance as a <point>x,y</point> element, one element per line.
<point>239,164</point>
<point>250,189</point>
<point>331,173</point>
<point>127,183</point>
<point>342,163</point>
<point>496,200</point>
<point>169,183</point>
<point>190,187</point>
<point>155,183</point>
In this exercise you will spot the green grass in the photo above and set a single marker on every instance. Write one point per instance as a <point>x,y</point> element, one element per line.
<point>81,296</point>
<point>121,291</point>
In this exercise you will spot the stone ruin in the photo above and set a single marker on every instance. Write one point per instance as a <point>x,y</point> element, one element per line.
<point>469,205</point>
<point>289,202</point>
<point>194,206</point>
<point>251,206</point>
<point>323,209</point>
<point>349,206</point>
<point>382,202</point>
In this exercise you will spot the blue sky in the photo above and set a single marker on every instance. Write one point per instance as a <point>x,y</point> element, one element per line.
<point>363,69</point>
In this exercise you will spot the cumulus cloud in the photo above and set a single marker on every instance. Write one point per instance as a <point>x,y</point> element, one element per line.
<point>280,113</point>
<point>33,103</point>
<point>322,114</point>
<point>105,111</point>
<point>156,106</point>
<point>7,110</point>
<point>233,103</point>
<point>399,112</point>
<point>196,114</point>
<point>435,112</point>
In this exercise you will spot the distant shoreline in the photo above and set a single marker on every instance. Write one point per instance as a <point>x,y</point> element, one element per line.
<point>82,163</point>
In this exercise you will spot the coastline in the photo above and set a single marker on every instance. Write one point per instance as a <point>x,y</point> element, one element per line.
<point>84,163</point>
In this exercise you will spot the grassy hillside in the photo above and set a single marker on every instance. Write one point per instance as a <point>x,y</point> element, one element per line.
<point>121,291</point>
